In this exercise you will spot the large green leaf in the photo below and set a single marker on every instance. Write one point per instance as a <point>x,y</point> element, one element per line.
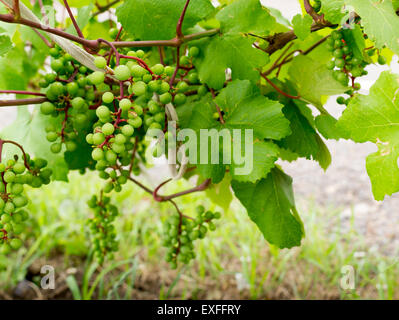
<point>380,22</point>
<point>270,204</point>
<point>246,16</point>
<point>313,80</point>
<point>231,51</point>
<point>375,118</point>
<point>5,44</point>
<point>157,19</point>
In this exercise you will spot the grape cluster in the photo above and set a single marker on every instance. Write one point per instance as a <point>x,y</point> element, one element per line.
<point>14,175</point>
<point>317,5</point>
<point>181,232</point>
<point>102,228</point>
<point>70,92</point>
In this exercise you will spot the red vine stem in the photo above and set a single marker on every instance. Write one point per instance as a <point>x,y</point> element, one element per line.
<point>3,142</point>
<point>198,188</point>
<point>278,89</point>
<point>21,102</point>
<point>140,61</point>
<point>75,24</point>
<point>179,26</point>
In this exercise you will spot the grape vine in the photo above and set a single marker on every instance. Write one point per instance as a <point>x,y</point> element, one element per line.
<point>101,93</point>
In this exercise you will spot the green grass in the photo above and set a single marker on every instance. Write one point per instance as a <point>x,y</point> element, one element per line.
<point>232,262</point>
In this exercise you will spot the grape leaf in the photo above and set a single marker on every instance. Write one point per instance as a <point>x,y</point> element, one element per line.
<point>246,16</point>
<point>327,126</point>
<point>313,80</point>
<point>230,51</point>
<point>270,204</point>
<point>302,25</point>
<point>375,118</point>
<point>333,10</point>
<point>157,19</point>
<point>304,139</point>
<point>246,108</point>
<point>380,22</point>
<point>5,44</point>
<point>220,194</point>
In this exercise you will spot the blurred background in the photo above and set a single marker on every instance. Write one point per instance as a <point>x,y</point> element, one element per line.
<point>345,228</point>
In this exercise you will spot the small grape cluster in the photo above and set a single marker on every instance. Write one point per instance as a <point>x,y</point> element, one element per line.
<point>317,5</point>
<point>102,228</point>
<point>14,175</point>
<point>181,232</point>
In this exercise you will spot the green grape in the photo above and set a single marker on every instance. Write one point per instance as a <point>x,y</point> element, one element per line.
<point>341,100</point>
<point>19,168</point>
<point>125,104</point>
<point>100,62</point>
<point>77,103</point>
<point>182,87</point>
<point>103,112</point>
<point>184,60</point>
<point>127,130</point>
<point>138,71</point>
<point>382,60</point>
<point>169,71</point>
<point>180,99</point>
<point>56,147</point>
<point>97,77</point>
<point>139,88</point>
<point>165,98</point>
<point>122,73</point>
<point>108,129</point>
<point>97,154</point>
<point>108,97</point>
<point>71,146</point>
<point>158,69</point>
<point>57,65</point>
<point>9,176</point>
<point>193,52</point>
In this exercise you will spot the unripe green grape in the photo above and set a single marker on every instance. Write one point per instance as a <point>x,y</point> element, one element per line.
<point>125,104</point>
<point>110,156</point>
<point>118,148</point>
<point>127,130</point>
<point>103,112</point>
<point>54,52</point>
<point>80,119</point>
<point>155,125</point>
<point>20,201</point>
<point>184,60</point>
<point>182,86</point>
<point>47,108</point>
<point>382,60</point>
<point>340,63</point>
<point>72,88</point>
<point>9,207</point>
<point>338,53</point>
<point>19,168</point>
<point>165,98</point>
<point>98,138</point>
<point>193,52</point>
<point>341,100</point>
<point>154,85</point>
<point>5,218</point>
<point>331,65</point>
<point>139,88</point>
<point>108,97</point>
<point>203,90</point>
<point>356,72</point>
<point>342,77</point>
<point>193,78</point>
<point>337,44</point>
<point>56,147</point>
<point>159,117</point>
<point>89,138</point>
<point>136,123</point>
<point>100,62</point>
<point>137,71</point>
<point>90,95</point>
<point>180,99</point>
<point>120,139</point>
<point>148,120</point>
<point>138,110</point>
<point>158,69</point>
<point>77,103</point>
<point>108,129</point>
<point>18,228</point>
<point>140,54</point>
<point>165,87</point>
<point>122,73</point>
<point>57,65</point>
<point>169,70</point>
<point>71,146</point>
<point>9,176</point>
<point>147,78</point>
<point>97,77</point>
<point>16,243</point>
<point>113,32</point>
<point>357,86</point>
<point>82,69</point>
<point>97,154</point>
